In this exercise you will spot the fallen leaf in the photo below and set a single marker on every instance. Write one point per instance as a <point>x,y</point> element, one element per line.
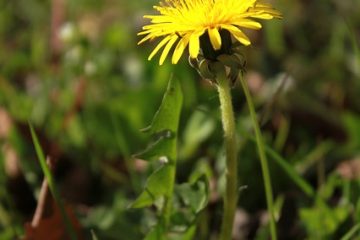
<point>53,227</point>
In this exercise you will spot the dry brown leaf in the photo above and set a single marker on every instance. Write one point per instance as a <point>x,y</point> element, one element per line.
<point>48,222</point>
<point>53,227</point>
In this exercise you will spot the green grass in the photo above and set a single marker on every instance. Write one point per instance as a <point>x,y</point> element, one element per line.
<point>52,185</point>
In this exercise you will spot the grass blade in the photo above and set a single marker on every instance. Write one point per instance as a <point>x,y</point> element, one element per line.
<point>288,169</point>
<point>53,188</point>
<point>93,235</point>
<point>351,233</point>
<point>304,185</point>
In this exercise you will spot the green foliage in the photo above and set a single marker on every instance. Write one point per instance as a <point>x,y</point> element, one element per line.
<point>195,195</point>
<point>325,220</point>
<point>322,221</point>
<point>157,185</point>
<point>165,122</point>
<point>156,233</point>
<point>160,184</point>
<point>164,126</point>
<point>88,99</point>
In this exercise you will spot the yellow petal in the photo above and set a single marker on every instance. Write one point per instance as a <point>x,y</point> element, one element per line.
<point>194,44</point>
<point>238,34</point>
<point>167,49</point>
<point>242,6</point>
<point>266,16</point>
<point>247,23</point>
<point>160,45</point>
<point>267,8</point>
<point>215,38</point>
<point>264,5</point>
<point>180,49</point>
<point>147,37</point>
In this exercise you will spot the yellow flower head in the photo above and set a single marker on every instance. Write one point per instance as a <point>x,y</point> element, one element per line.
<point>185,22</point>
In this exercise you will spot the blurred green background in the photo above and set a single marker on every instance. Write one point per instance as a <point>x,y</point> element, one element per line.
<point>73,69</point>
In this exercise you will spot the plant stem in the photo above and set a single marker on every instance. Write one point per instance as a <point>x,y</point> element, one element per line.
<point>231,192</point>
<point>263,159</point>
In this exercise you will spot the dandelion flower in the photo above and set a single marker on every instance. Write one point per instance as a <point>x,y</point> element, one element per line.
<point>183,23</point>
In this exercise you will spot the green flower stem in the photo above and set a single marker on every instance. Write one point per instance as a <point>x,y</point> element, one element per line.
<point>263,159</point>
<point>231,192</point>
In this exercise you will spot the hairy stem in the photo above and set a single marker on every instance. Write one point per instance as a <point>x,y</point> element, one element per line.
<point>228,122</point>
<point>263,159</point>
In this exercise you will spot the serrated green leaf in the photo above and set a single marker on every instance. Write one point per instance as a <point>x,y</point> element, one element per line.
<point>163,128</point>
<point>195,195</point>
<point>157,185</point>
<point>167,117</point>
<point>158,146</point>
<point>165,124</point>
